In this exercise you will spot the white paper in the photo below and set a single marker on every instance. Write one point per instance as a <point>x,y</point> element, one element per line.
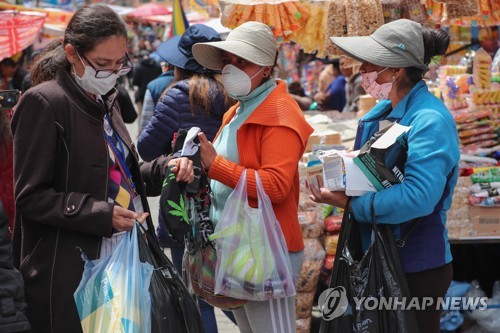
<point>389,137</point>
<point>356,183</point>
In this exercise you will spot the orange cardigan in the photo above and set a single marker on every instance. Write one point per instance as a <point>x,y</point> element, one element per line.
<point>271,141</point>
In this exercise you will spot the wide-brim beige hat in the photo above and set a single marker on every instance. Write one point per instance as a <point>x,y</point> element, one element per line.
<point>252,41</point>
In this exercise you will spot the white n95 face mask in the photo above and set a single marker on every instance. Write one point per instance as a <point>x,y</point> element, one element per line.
<point>236,82</point>
<point>93,85</point>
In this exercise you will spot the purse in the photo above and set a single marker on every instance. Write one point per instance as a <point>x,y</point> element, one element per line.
<point>200,258</point>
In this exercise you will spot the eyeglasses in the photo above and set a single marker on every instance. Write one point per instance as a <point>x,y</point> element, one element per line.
<point>104,73</point>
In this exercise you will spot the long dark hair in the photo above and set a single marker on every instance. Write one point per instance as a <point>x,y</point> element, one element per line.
<point>88,27</point>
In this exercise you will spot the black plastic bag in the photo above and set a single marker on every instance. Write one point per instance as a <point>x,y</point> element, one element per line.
<point>376,273</point>
<point>173,308</point>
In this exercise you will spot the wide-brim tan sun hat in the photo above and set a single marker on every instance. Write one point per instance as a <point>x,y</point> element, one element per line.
<point>252,41</point>
<point>396,44</point>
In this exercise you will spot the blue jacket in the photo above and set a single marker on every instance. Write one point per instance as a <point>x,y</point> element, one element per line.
<point>431,173</point>
<point>336,95</point>
<point>158,85</point>
<point>173,112</point>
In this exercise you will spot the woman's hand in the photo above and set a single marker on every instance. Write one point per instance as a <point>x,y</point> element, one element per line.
<point>183,169</point>
<point>324,195</point>
<point>207,151</point>
<point>123,219</point>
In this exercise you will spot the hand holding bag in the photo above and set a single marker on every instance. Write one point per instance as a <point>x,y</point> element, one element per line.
<point>252,256</point>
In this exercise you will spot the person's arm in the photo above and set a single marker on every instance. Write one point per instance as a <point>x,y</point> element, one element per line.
<point>148,109</point>
<point>156,139</point>
<point>281,149</point>
<point>153,172</point>
<point>432,154</point>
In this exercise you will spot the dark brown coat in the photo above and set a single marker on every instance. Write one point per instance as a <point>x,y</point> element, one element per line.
<point>61,175</point>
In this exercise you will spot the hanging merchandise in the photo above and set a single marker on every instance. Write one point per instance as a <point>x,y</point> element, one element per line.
<point>311,37</point>
<point>462,9</point>
<point>353,18</point>
<point>336,25</point>
<point>414,10</point>
<point>283,17</point>
<point>391,9</point>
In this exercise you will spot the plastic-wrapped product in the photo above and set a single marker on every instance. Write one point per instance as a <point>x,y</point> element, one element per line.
<point>309,224</point>
<point>331,241</point>
<point>313,260</point>
<point>304,301</point>
<point>464,8</point>
<point>303,325</point>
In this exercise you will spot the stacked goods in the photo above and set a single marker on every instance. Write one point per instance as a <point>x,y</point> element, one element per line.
<point>314,253</point>
<point>486,187</point>
<point>331,238</point>
<point>458,222</point>
<point>484,13</point>
<point>309,275</point>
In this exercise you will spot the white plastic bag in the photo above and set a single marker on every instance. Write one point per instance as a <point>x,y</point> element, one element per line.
<point>252,256</point>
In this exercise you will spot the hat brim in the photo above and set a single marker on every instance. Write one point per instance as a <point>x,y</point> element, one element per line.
<point>209,54</point>
<point>169,52</point>
<point>367,49</point>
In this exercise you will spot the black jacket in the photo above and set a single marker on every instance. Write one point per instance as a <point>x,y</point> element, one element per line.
<point>146,71</point>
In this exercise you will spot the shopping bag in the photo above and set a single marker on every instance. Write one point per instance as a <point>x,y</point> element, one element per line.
<point>113,295</point>
<point>173,308</point>
<point>377,273</point>
<point>252,256</point>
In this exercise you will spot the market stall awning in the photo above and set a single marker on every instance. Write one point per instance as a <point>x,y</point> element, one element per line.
<point>18,31</point>
<point>149,9</point>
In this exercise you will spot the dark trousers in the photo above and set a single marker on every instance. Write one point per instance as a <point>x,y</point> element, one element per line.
<point>431,283</point>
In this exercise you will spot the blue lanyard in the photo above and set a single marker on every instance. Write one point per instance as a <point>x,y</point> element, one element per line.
<point>120,156</point>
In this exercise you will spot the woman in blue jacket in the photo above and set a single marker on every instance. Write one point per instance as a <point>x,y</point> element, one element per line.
<point>394,59</point>
<point>194,99</point>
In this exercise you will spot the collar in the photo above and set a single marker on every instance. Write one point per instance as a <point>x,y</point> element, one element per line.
<point>384,107</point>
<point>89,105</point>
<point>269,84</point>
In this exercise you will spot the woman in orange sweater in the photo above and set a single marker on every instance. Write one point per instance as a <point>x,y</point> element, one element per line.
<point>265,132</point>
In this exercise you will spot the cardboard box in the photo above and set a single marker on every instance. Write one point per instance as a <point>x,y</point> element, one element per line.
<point>485,221</point>
<point>327,137</point>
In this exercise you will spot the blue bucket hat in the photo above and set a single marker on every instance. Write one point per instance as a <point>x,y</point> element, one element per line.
<point>178,51</point>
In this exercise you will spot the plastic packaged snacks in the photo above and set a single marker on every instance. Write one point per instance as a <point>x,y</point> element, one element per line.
<point>331,241</point>
<point>303,325</point>
<point>391,10</point>
<point>464,8</point>
<point>311,37</point>
<point>414,10</point>
<point>304,303</point>
<point>309,224</point>
<point>364,17</point>
<point>482,69</point>
<point>313,260</point>
<point>336,25</point>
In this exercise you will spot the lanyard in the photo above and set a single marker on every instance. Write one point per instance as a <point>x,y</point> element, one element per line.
<point>120,157</point>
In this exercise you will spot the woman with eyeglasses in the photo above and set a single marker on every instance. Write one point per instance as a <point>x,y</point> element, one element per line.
<point>78,182</point>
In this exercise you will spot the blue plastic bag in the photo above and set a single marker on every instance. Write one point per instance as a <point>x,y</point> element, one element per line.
<point>113,295</point>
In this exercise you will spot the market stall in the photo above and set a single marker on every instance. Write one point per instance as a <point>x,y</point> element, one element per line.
<point>467,79</point>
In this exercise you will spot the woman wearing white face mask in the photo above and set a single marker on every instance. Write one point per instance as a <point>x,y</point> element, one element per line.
<point>265,132</point>
<point>395,58</point>
<point>78,183</point>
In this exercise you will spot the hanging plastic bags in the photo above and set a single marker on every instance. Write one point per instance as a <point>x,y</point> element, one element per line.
<point>173,308</point>
<point>113,294</point>
<point>378,272</point>
<point>252,257</point>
